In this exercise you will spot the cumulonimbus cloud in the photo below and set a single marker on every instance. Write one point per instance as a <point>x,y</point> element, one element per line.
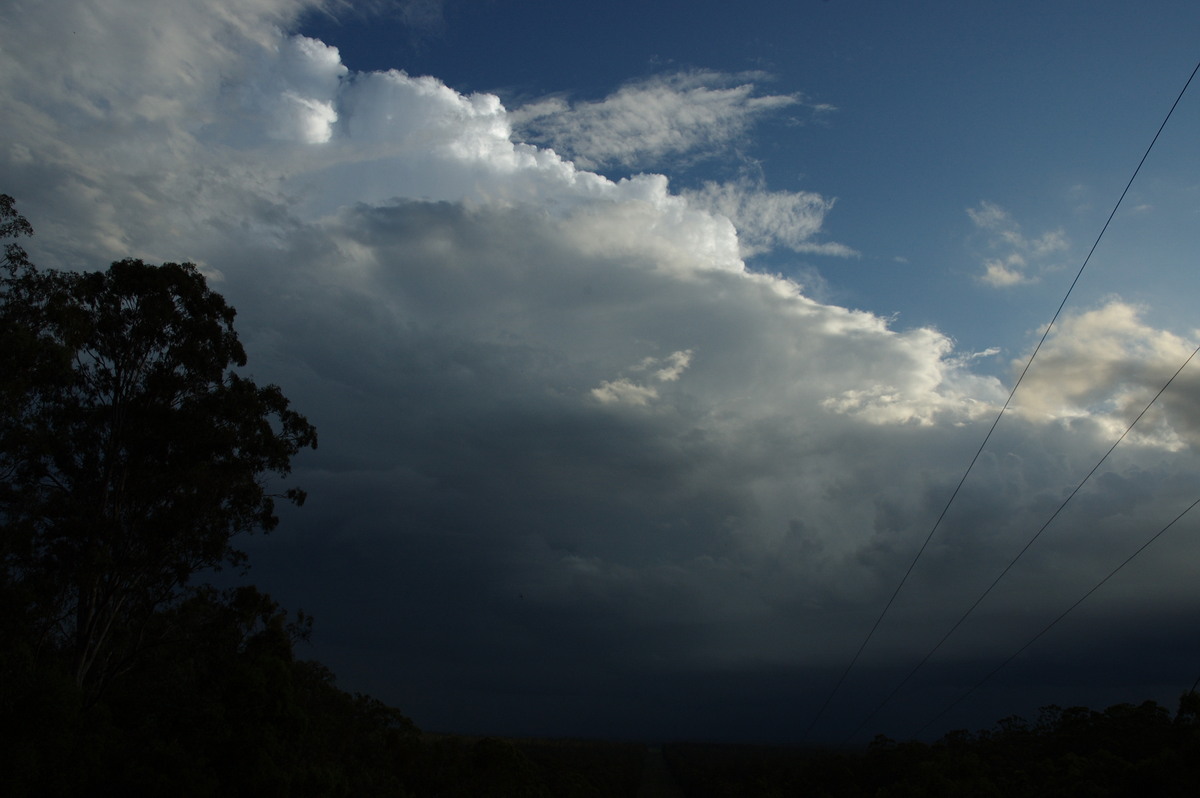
<point>530,378</point>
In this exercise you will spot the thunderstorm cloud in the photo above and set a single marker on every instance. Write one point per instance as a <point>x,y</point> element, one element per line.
<point>534,380</point>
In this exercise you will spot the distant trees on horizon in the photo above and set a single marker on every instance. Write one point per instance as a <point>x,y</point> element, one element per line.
<point>1129,750</point>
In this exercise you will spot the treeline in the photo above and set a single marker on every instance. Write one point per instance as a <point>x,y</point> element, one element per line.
<point>1139,751</point>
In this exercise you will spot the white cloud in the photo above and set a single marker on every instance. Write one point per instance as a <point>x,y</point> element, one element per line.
<point>115,111</point>
<point>674,367</point>
<point>1104,365</point>
<point>298,96</point>
<point>1021,259</point>
<point>688,113</point>
<point>626,391</point>
<point>768,219</point>
<point>623,391</point>
<point>1006,272</point>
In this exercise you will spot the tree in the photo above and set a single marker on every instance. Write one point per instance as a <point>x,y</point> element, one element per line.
<point>131,451</point>
<point>13,225</point>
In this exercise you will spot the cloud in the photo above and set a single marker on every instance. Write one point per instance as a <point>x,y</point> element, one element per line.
<point>625,391</point>
<point>769,219</point>
<point>424,19</point>
<point>691,114</point>
<point>292,98</point>
<point>1104,365</point>
<point>114,137</point>
<point>533,380</point>
<point>425,16</point>
<point>1006,272</point>
<point>1018,259</point>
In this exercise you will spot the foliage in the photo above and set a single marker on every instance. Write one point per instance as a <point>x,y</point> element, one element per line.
<point>131,451</point>
<point>220,707</point>
<point>13,225</point>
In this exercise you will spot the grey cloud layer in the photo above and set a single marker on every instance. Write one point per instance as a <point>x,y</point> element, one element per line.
<point>567,437</point>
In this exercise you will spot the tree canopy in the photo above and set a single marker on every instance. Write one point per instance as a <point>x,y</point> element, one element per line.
<point>132,452</point>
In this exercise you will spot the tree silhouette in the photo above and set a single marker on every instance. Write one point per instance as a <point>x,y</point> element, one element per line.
<point>131,451</point>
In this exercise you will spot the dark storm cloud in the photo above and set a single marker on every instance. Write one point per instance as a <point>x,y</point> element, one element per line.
<point>580,470</point>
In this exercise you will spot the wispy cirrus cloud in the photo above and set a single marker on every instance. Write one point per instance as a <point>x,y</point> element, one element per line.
<point>687,114</point>
<point>766,219</point>
<point>426,16</point>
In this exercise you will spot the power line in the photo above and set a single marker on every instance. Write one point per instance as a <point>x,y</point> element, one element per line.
<point>1024,549</point>
<point>1053,623</point>
<point>970,466</point>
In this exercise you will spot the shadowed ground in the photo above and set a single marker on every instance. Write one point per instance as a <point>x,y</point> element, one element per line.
<point>657,780</point>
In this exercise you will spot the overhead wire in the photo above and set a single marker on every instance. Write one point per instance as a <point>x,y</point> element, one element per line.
<point>970,466</point>
<point>1024,549</point>
<point>1054,622</point>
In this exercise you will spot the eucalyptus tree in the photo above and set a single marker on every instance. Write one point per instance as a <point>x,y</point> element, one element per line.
<point>132,451</point>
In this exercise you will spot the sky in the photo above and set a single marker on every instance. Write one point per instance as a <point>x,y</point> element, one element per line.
<point>648,342</point>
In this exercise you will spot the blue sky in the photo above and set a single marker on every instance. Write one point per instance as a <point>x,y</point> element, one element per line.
<point>647,344</point>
